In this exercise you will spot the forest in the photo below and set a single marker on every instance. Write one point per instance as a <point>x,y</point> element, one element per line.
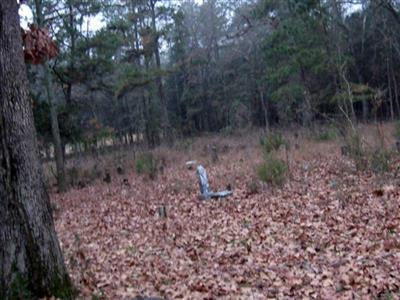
<point>199,149</point>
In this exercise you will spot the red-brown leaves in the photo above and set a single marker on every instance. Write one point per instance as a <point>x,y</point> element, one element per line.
<point>38,45</point>
<point>310,240</point>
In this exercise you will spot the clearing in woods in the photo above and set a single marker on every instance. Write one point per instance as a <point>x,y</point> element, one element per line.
<point>330,232</point>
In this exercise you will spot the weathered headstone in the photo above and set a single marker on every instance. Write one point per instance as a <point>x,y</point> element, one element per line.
<point>120,170</point>
<point>205,191</point>
<point>162,212</point>
<point>214,154</point>
<point>203,180</point>
<point>345,150</point>
<point>107,177</point>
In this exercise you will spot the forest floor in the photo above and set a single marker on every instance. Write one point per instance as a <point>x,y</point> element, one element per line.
<point>331,232</point>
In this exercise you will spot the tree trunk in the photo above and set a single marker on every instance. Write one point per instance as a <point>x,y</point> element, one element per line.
<point>307,112</point>
<point>165,118</point>
<point>31,261</point>
<point>55,132</point>
<point>265,109</point>
<point>396,92</point>
<point>390,90</point>
<point>71,67</point>
<point>307,115</point>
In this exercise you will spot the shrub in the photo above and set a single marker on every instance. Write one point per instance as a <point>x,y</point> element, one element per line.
<point>81,177</point>
<point>228,130</point>
<point>186,144</point>
<point>397,130</point>
<point>272,142</point>
<point>146,164</point>
<point>326,134</point>
<point>380,161</point>
<point>273,171</point>
<point>73,176</point>
<point>377,161</point>
<point>253,187</point>
<point>356,151</point>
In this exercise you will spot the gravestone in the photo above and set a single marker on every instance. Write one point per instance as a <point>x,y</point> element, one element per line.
<point>214,154</point>
<point>120,170</point>
<point>107,177</point>
<point>162,212</point>
<point>205,191</point>
<point>345,150</point>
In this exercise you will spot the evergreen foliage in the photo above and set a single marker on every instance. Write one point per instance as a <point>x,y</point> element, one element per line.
<point>158,68</point>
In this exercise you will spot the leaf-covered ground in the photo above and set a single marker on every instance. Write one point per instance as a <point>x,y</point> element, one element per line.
<point>330,233</point>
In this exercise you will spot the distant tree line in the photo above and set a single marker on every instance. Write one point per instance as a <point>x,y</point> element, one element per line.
<point>161,69</point>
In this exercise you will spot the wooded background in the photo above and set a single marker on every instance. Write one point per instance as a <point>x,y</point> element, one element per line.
<point>160,69</point>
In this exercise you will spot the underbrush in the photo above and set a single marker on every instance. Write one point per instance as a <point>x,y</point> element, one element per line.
<point>364,148</point>
<point>316,183</point>
<point>273,170</point>
<point>272,142</point>
<point>397,130</point>
<point>366,157</point>
<point>150,165</point>
<point>325,134</point>
<point>146,164</point>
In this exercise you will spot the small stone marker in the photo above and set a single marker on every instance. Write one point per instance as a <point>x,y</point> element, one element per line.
<point>214,154</point>
<point>162,212</point>
<point>120,170</point>
<point>107,177</point>
<point>205,188</point>
<point>345,150</point>
<point>126,182</point>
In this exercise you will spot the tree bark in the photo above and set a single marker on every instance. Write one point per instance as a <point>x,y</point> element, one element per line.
<point>71,67</point>
<point>396,92</point>
<point>55,128</point>
<point>165,118</point>
<point>31,261</point>
<point>264,106</point>
<point>390,90</point>
<point>307,113</point>
<point>55,132</point>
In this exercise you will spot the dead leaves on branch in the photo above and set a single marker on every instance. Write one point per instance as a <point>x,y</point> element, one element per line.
<point>38,45</point>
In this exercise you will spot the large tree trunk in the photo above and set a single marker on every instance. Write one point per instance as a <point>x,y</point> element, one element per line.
<point>31,261</point>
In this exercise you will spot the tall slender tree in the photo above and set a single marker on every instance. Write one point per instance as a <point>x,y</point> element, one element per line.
<point>55,127</point>
<point>160,86</point>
